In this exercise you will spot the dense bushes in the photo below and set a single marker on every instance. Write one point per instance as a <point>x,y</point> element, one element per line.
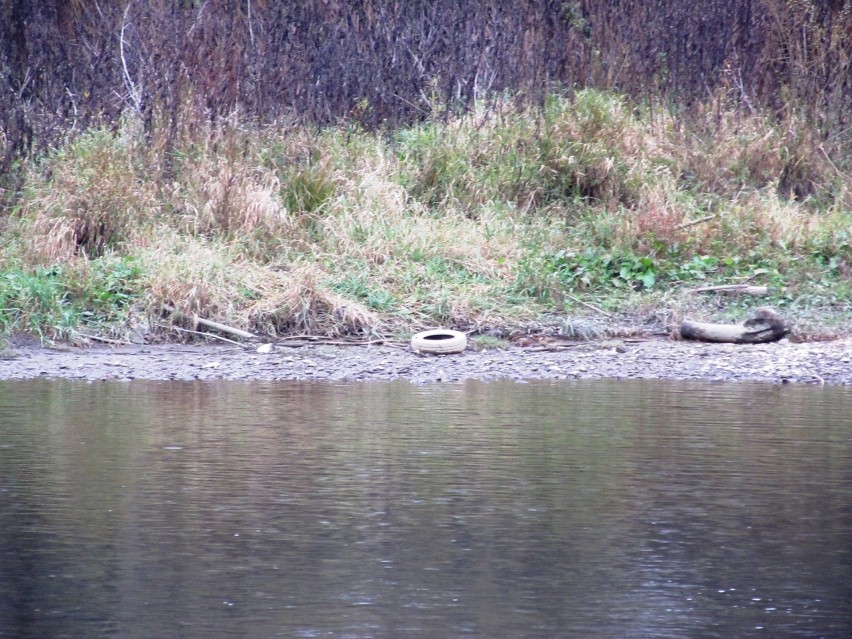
<point>65,64</point>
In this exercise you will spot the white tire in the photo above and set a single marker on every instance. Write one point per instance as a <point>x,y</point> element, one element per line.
<point>439,342</point>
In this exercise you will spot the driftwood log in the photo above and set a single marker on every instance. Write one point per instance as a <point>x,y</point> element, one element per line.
<point>765,325</point>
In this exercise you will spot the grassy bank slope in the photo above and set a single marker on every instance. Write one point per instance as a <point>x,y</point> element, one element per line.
<point>492,218</point>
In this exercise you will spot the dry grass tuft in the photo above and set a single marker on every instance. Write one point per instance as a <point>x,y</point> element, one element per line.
<point>200,277</point>
<point>726,152</point>
<point>761,219</point>
<point>88,198</point>
<point>195,276</point>
<point>217,196</point>
<point>297,301</point>
<point>658,217</point>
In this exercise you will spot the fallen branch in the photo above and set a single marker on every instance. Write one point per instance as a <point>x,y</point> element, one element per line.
<point>764,326</point>
<point>211,335</point>
<point>741,289</point>
<point>216,326</point>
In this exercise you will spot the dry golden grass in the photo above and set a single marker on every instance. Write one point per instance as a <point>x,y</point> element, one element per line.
<point>218,197</point>
<point>194,275</point>
<point>297,301</point>
<point>211,279</point>
<point>93,195</point>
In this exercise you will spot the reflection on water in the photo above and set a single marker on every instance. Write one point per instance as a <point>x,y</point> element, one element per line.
<point>584,509</point>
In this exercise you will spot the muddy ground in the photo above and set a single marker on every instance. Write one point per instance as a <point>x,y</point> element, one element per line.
<point>784,362</point>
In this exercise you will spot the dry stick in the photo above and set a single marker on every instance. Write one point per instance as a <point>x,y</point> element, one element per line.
<point>375,342</point>
<point>222,328</point>
<point>248,12</point>
<point>294,344</point>
<point>731,288</point>
<point>410,103</point>
<point>694,222</point>
<point>224,339</point>
<point>589,306</point>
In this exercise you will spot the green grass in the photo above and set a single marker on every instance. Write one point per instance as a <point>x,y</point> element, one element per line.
<point>500,215</point>
<point>57,301</point>
<point>37,302</point>
<point>489,342</point>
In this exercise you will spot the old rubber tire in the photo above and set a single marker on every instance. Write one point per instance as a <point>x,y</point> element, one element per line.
<point>439,342</point>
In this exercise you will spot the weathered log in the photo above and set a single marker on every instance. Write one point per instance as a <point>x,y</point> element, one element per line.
<point>764,326</point>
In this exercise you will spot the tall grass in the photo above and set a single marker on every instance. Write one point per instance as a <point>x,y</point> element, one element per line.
<point>501,214</point>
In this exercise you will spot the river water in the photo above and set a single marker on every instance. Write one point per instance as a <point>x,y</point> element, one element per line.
<point>571,509</point>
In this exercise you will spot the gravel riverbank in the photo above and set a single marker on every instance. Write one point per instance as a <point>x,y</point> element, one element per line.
<point>785,362</point>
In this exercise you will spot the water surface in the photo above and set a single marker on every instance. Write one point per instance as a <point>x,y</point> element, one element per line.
<point>572,509</point>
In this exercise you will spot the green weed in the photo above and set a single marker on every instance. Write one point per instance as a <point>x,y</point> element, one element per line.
<point>37,302</point>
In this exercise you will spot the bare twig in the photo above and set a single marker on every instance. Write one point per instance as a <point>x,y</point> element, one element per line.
<point>411,104</point>
<point>211,335</point>
<point>27,77</point>
<point>132,91</point>
<point>327,342</point>
<point>222,328</point>
<point>739,82</point>
<point>589,306</point>
<point>706,218</point>
<point>197,18</point>
<point>555,347</point>
<point>251,30</point>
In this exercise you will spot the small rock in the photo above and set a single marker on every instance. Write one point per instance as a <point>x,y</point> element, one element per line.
<point>265,348</point>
